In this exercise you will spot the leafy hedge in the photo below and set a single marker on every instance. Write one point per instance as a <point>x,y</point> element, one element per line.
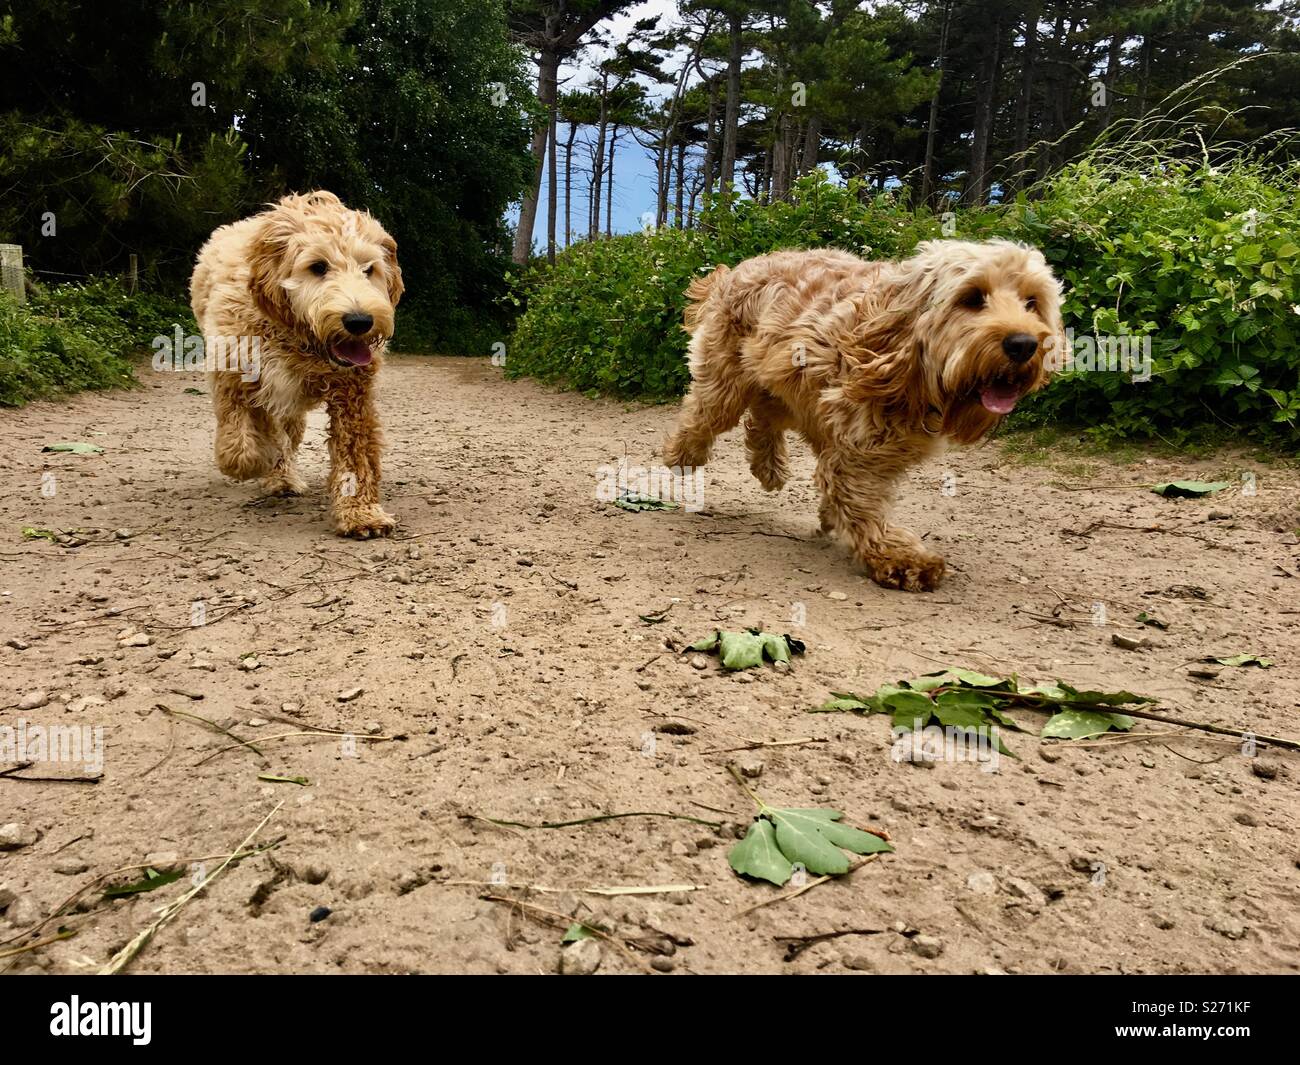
<point>70,337</point>
<point>1203,260</point>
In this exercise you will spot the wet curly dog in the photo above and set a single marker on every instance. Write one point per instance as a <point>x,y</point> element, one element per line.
<point>875,364</point>
<point>315,286</point>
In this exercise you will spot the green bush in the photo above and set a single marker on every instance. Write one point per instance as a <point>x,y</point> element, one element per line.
<point>1203,261</point>
<point>1200,259</point>
<point>71,337</point>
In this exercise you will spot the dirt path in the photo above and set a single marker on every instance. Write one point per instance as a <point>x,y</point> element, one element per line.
<point>500,640</point>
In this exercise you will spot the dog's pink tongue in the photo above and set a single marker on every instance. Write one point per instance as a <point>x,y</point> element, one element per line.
<point>356,352</point>
<point>1000,399</point>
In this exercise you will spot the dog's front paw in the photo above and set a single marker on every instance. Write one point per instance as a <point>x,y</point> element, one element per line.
<point>917,571</point>
<point>283,483</point>
<point>363,521</point>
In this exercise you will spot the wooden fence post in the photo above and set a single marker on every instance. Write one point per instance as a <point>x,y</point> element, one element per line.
<point>11,271</point>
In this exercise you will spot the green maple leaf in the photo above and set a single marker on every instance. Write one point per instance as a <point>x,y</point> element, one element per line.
<point>1082,724</point>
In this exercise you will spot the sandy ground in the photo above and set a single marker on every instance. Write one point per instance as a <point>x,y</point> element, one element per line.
<point>505,673</point>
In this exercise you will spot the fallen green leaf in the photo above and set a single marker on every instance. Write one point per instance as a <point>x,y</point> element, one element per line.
<point>638,503</point>
<point>1242,660</point>
<point>40,534</point>
<point>1081,724</point>
<point>784,837</point>
<point>576,932</point>
<point>745,650</point>
<point>1151,619</point>
<point>1189,489</point>
<point>758,856</point>
<point>75,448</point>
<point>151,881</point>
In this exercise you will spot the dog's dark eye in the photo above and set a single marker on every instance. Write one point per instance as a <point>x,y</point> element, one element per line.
<point>1031,304</point>
<point>370,270</point>
<point>320,268</point>
<point>973,300</point>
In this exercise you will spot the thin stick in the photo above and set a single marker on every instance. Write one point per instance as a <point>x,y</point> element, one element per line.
<point>591,820</point>
<point>290,735</point>
<point>211,724</point>
<point>808,886</point>
<point>127,954</point>
<point>754,745</point>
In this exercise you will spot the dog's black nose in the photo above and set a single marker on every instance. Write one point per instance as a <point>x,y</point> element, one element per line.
<point>1020,347</point>
<point>356,324</point>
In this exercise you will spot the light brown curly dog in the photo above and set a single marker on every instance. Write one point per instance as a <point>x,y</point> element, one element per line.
<point>315,286</point>
<point>875,364</point>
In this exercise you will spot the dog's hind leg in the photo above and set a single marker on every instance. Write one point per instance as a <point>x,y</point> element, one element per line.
<point>284,478</point>
<point>246,446</point>
<point>857,491</point>
<point>765,427</point>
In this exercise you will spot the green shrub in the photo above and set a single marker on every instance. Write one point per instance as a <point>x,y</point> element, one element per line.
<point>72,337</point>
<point>1200,259</point>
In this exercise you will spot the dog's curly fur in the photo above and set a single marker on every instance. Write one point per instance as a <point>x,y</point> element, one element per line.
<point>287,278</point>
<point>875,364</point>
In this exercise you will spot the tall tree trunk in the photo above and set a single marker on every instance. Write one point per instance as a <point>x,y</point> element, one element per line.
<point>711,140</point>
<point>680,220</point>
<point>927,172</point>
<point>1025,104</point>
<point>731,121</point>
<point>552,189</point>
<point>609,179</point>
<point>548,68</point>
<point>1113,55</point>
<point>1144,74</point>
<point>812,144</point>
<point>977,187</point>
<point>568,185</point>
<point>598,159</point>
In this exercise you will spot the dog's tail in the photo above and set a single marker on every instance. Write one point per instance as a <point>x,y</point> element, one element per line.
<point>698,292</point>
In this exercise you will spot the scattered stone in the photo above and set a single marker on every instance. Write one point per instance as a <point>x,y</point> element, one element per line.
<point>581,958</point>
<point>662,965</point>
<point>926,946</point>
<point>6,897</point>
<point>70,866</point>
<point>17,644</point>
<point>839,597</point>
<point>319,914</point>
<point>1128,643</point>
<point>1025,889</point>
<point>752,769</point>
<point>982,883</point>
<point>1264,770</point>
<point>249,664</point>
<point>350,694</point>
<point>1245,818</point>
<point>374,728</point>
<point>1227,927</point>
<point>15,835</point>
<point>859,963</point>
<point>163,861</point>
<point>23,911</point>
<point>33,700</point>
<point>1162,922</point>
<point>139,639</point>
<point>1048,752</point>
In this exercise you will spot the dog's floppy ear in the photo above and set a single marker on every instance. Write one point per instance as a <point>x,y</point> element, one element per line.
<point>880,359</point>
<point>394,271</point>
<point>268,269</point>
